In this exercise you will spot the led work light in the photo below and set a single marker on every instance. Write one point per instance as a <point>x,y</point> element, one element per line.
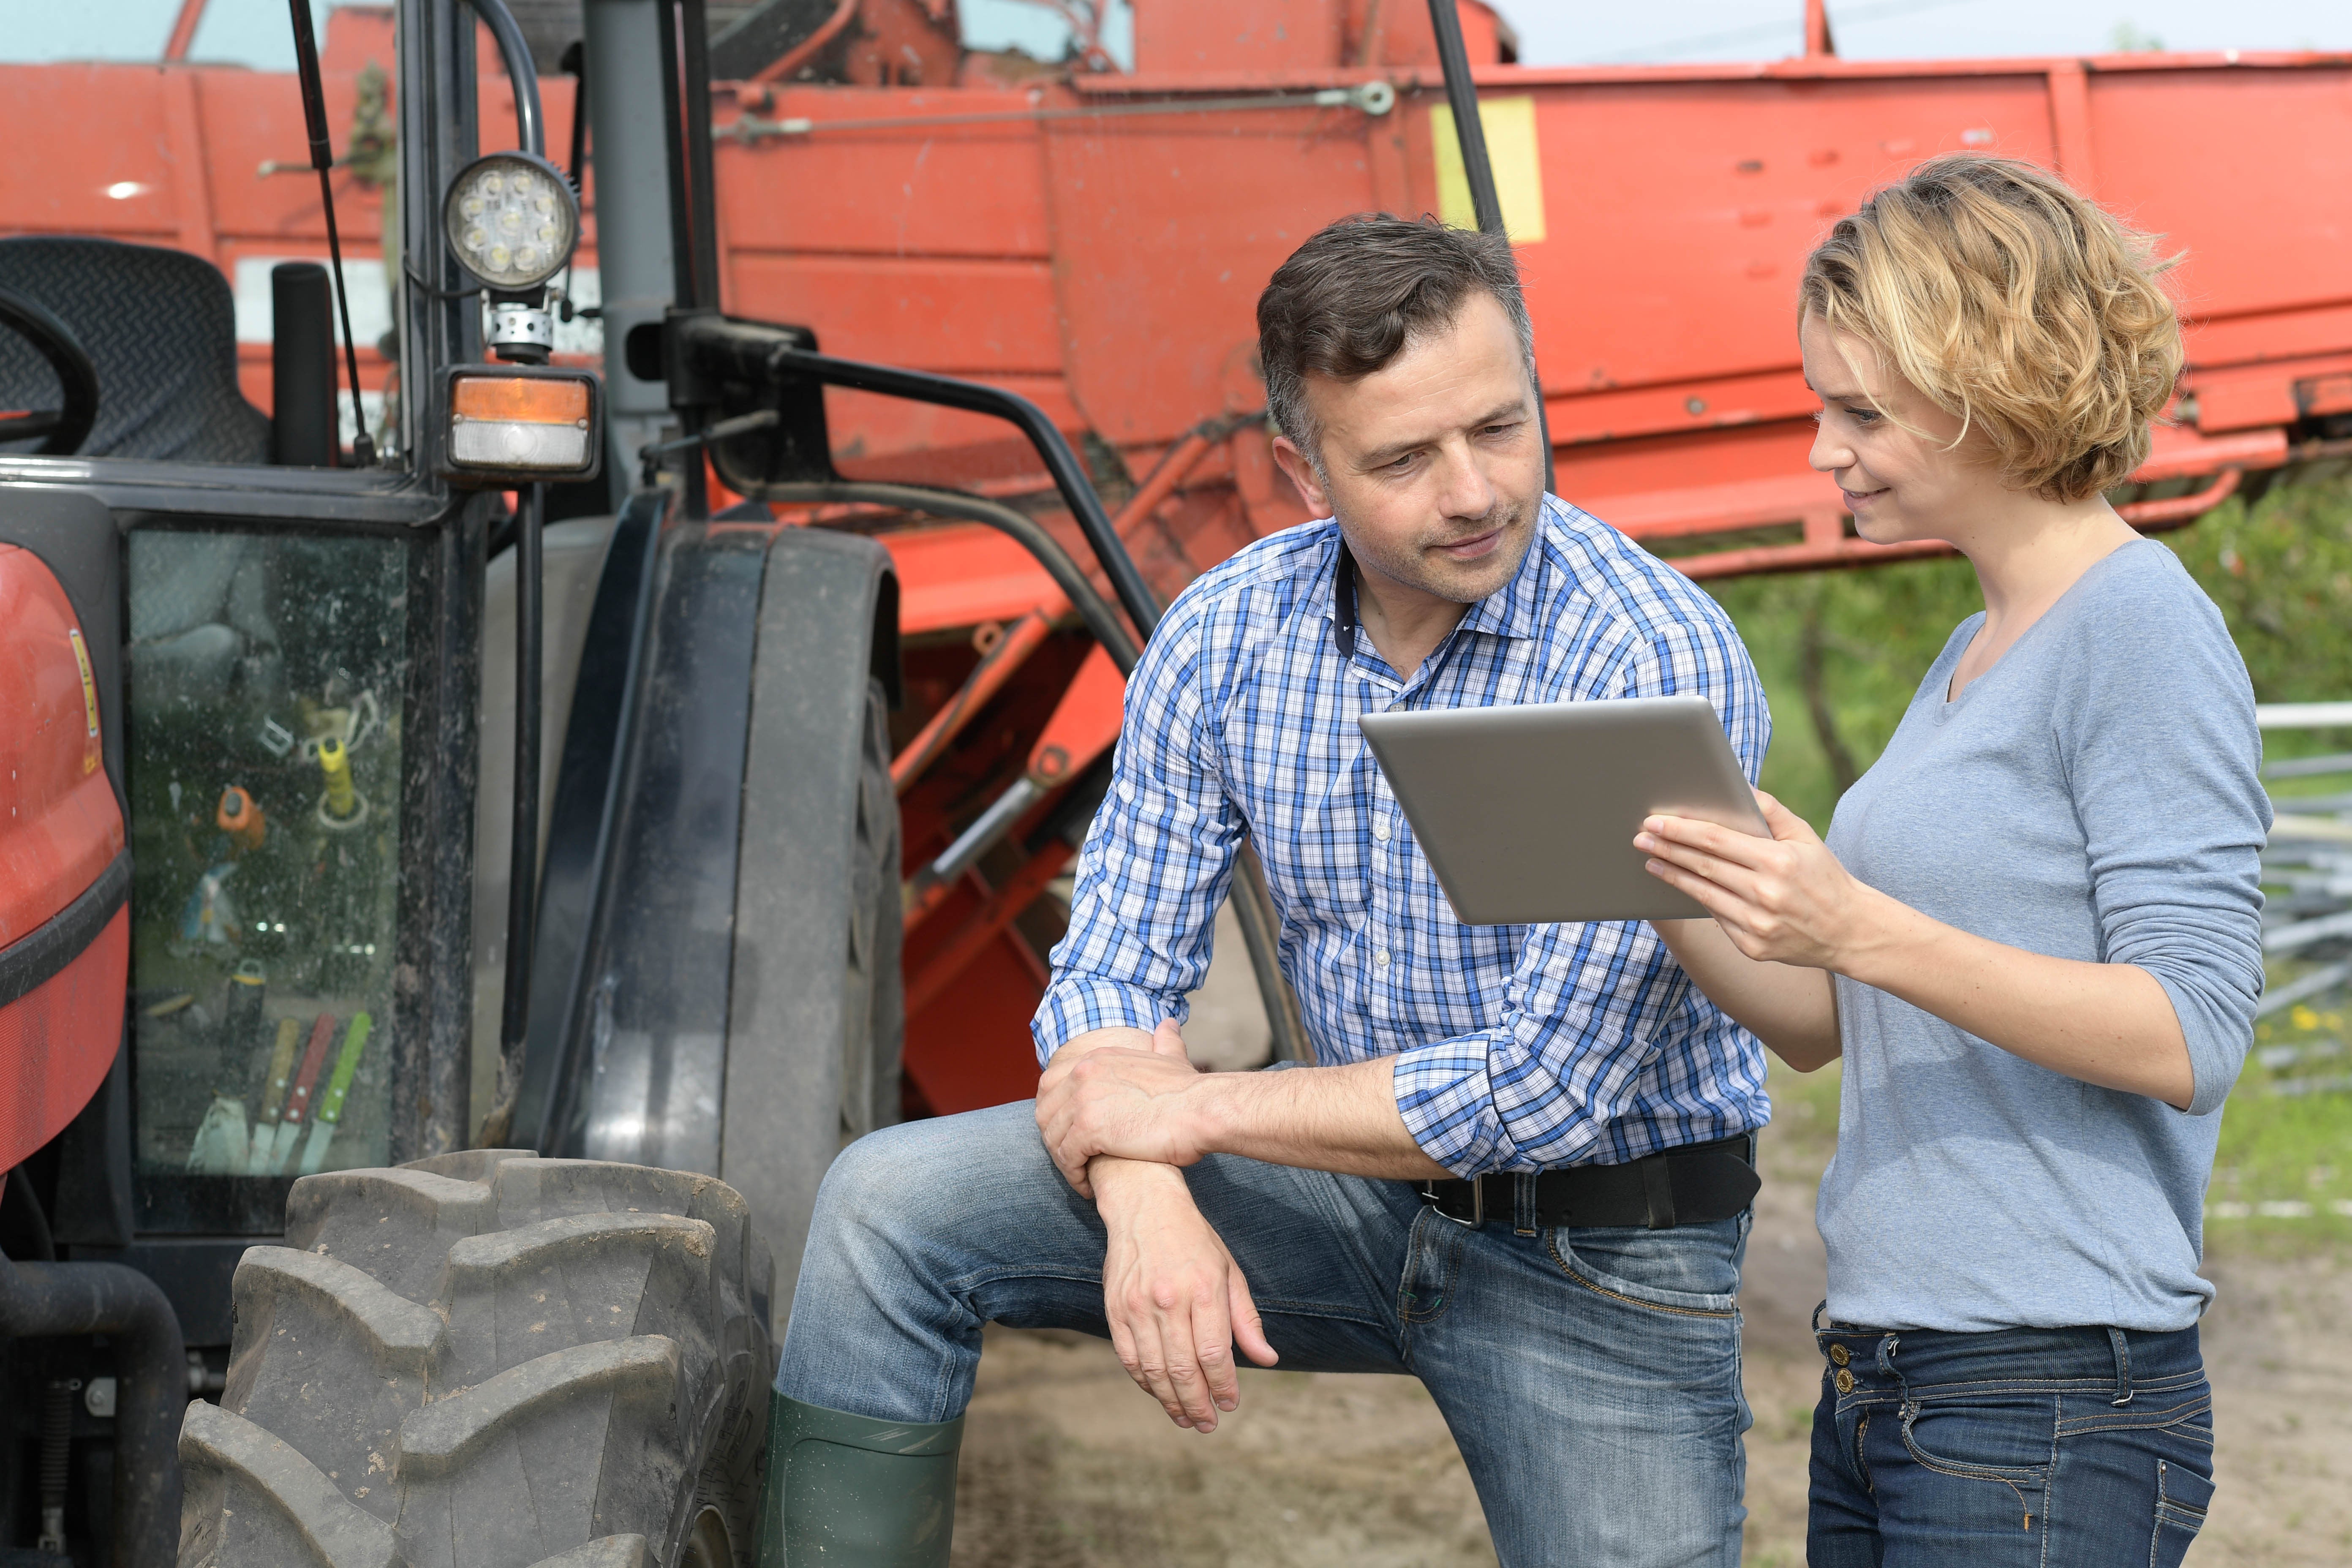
<point>511,219</point>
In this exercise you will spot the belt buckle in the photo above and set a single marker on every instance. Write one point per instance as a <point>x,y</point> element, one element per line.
<point>1478,1204</point>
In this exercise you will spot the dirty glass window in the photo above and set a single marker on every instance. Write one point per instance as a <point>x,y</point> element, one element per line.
<point>264,680</point>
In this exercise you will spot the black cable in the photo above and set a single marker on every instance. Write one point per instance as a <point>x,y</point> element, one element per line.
<point>522,866</point>
<point>1092,607</point>
<point>322,159</point>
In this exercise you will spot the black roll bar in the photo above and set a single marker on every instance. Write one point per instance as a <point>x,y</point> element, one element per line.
<point>714,348</point>
<point>1477,169</point>
<point>514,52</point>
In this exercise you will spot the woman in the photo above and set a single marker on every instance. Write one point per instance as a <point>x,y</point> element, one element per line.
<point>2033,934</point>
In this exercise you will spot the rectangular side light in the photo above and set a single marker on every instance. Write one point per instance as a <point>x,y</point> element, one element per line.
<point>507,423</point>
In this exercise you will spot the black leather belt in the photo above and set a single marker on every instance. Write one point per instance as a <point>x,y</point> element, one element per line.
<point>1691,1185</point>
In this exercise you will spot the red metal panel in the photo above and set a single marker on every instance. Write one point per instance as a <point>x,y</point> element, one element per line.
<point>2248,396</point>
<point>62,830</point>
<point>2247,174</point>
<point>1688,208</point>
<point>880,437</point>
<point>962,575</point>
<point>939,189</point>
<point>250,119</point>
<point>1264,35</point>
<point>1085,723</point>
<point>1182,223</point>
<point>56,179</point>
<point>63,826</point>
<point>956,316</point>
<point>1688,405</point>
<point>969,1048</point>
<point>57,1040</point>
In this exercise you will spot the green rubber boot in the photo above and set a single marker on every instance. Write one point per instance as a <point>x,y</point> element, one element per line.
<point>849,1492</point>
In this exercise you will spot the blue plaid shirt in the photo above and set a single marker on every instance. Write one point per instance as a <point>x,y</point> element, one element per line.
<point>1517,1048</point>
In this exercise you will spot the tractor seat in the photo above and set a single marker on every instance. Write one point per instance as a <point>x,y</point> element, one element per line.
<point>162,328</point>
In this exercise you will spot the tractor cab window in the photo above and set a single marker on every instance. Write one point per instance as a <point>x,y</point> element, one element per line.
<point>168,248</point>
<point>265,677</point>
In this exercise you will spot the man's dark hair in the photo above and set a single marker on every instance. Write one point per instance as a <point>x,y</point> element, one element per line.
<point>1357,293</point>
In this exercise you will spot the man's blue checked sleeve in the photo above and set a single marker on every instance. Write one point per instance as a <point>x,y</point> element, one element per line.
<point>1156,862</point>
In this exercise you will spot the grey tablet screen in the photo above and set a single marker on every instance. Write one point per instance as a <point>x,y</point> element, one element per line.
<point>1527,813</point>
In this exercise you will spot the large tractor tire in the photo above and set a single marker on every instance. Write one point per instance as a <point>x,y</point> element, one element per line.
<point>490,1360</point>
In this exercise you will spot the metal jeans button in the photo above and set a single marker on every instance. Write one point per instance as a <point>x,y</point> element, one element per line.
<point>1839,1354</point>
<point>1844,1381</point>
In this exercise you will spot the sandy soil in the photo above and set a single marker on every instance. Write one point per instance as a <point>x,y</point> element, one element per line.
<point>1065,1465</point>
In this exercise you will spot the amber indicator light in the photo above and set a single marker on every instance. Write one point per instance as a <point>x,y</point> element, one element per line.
<point>526,400</point>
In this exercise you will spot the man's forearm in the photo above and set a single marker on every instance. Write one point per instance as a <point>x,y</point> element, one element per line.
<point>1343,1120</point>
<point>1101,1093</point>
<point>1120,1185</point>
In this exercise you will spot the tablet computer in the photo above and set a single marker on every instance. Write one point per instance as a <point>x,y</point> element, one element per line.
<point>1527,813</point>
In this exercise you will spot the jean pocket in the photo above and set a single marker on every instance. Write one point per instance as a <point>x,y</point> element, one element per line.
<point>1651,1298</point>
<point>1431,1268</point>
<point>2182,1495</point>
<point>2002,1437</point>
<point>1995,1452</point>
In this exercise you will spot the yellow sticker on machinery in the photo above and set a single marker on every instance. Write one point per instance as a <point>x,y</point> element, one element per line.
<point>92,748</point>
<point>1511,152</point>
<point>88,684</point>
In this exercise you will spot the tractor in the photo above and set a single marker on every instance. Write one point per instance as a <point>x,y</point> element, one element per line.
<point>498,798</point>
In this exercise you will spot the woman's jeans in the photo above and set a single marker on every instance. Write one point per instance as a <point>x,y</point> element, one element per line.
<point>2054,1447</point>
<point>1590,1376</point>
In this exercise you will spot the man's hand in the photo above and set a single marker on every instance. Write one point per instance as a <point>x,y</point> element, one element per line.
<point>1175,1300</point>
<point>1128,1103</point>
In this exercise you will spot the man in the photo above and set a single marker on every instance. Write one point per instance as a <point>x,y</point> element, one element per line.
<point>1577,1329</point>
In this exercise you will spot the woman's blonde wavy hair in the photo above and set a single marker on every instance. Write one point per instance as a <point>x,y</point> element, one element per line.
<point>2015,304</point>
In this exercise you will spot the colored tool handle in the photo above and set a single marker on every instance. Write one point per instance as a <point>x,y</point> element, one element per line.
<point>330,1106</point>
<point>321,1034</point>
<point>281,1066</point>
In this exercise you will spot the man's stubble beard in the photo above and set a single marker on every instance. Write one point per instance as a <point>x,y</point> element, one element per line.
<point>1411,566</point>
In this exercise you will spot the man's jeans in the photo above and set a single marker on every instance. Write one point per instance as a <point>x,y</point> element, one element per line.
<point>1590,1376</point>
<point>2054,1447</point>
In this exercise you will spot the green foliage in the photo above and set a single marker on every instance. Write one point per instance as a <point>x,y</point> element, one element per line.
<point>2282,573</point>
<point>1842,654</point>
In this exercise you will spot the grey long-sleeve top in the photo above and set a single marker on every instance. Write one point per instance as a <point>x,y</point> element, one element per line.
<point>2098,795</point>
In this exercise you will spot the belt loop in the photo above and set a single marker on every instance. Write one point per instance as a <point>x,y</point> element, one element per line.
<point>1886,1348</point>
<point>2122,1348</point>
<point>1658,1191</point>
<point>1523,1202</point>
<point>1818,1310</point>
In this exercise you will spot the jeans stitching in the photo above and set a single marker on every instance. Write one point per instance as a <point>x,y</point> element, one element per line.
<point>1291,1308</point>
<point>2173,1416</point>
<point>1551,1245</point>
<point>1932,1392</point>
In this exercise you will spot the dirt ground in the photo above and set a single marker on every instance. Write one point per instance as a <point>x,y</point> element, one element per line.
<point>1066,1464</point>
